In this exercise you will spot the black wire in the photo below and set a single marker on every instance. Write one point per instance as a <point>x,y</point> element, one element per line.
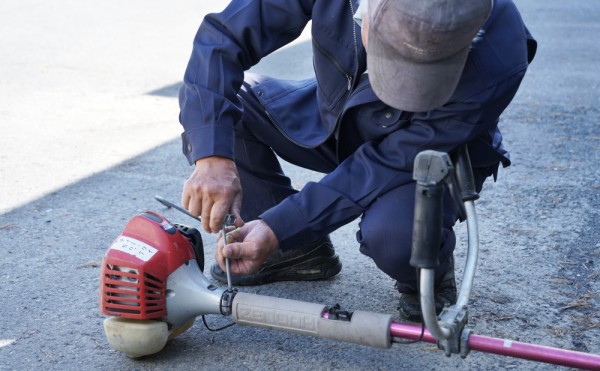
<point>216,329</point>
<point>402,342</point>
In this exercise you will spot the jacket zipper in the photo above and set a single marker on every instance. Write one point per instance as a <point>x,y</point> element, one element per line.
<point>339,68</point>
<point>338,121</point>
<point>356,56</point>
<point>335,64</point>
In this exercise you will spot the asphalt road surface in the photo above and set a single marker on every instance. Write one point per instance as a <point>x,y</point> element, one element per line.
<point>89,134</point>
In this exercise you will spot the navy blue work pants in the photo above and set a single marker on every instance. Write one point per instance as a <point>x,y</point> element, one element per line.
<point>386,226</point>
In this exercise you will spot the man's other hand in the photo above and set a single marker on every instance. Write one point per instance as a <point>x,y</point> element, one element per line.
<point>212,191</point>
<point>247,248</point>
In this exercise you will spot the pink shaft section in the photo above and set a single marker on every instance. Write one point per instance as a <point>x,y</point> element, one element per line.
<point>411,332</point>
<point>534,352</point>
<point>509,348</point>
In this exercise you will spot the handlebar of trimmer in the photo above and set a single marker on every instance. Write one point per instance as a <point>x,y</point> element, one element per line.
<point>434,171</point>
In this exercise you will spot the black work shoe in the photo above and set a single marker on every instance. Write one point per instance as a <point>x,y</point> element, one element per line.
<point>314,261</point>
<point>445,294</point>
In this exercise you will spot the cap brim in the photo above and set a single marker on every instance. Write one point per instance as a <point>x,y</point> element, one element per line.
<point>412,86</point>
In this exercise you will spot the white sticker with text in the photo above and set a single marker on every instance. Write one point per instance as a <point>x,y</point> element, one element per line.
<point>134,247</point>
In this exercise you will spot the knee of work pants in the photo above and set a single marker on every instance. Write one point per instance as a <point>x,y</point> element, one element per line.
<point>386,228</point>
<point>385,235</point>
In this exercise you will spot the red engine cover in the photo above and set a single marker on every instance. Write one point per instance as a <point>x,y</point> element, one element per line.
<point>133,281</point>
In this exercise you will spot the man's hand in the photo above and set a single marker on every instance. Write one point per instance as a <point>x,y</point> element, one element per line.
<point>212,191</point>
<point>250,246</point>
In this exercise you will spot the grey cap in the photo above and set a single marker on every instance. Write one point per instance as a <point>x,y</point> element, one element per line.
<point>417,48</point>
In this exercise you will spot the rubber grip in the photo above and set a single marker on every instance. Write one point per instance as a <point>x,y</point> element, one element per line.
<point>365,328</point>
<point>427,228</point>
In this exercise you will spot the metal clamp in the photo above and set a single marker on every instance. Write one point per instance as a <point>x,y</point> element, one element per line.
<point>227,301</point>
<point>455,319</point>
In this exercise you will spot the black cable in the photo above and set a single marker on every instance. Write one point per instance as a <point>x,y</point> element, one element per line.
<point>216,329</point>
<point>402,342</point>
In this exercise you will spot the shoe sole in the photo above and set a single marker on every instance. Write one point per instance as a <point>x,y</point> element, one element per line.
<point>324,268</point>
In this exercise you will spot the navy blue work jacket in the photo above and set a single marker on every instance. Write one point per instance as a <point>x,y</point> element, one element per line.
<point>231,42</point>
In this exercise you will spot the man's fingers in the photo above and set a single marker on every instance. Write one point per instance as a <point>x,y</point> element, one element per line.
<point>207,206</point>
<point>190,203</point>
<point>230,238</point>
<point>185,199</point>
<point>234,235</point>
<point>231,251</point>
<point>239,250</point>
<point>240,258</point>
<point>217,216</point>
<point>239,222</point>
<point>194,207</point>
<point>235,209</point>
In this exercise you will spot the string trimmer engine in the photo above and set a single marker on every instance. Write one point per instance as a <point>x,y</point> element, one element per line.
<point>149,283</point>
<point>133,282</point>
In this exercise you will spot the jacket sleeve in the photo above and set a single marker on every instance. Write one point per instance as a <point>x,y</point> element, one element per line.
<point>378,166</point>
<point>226,45</point>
